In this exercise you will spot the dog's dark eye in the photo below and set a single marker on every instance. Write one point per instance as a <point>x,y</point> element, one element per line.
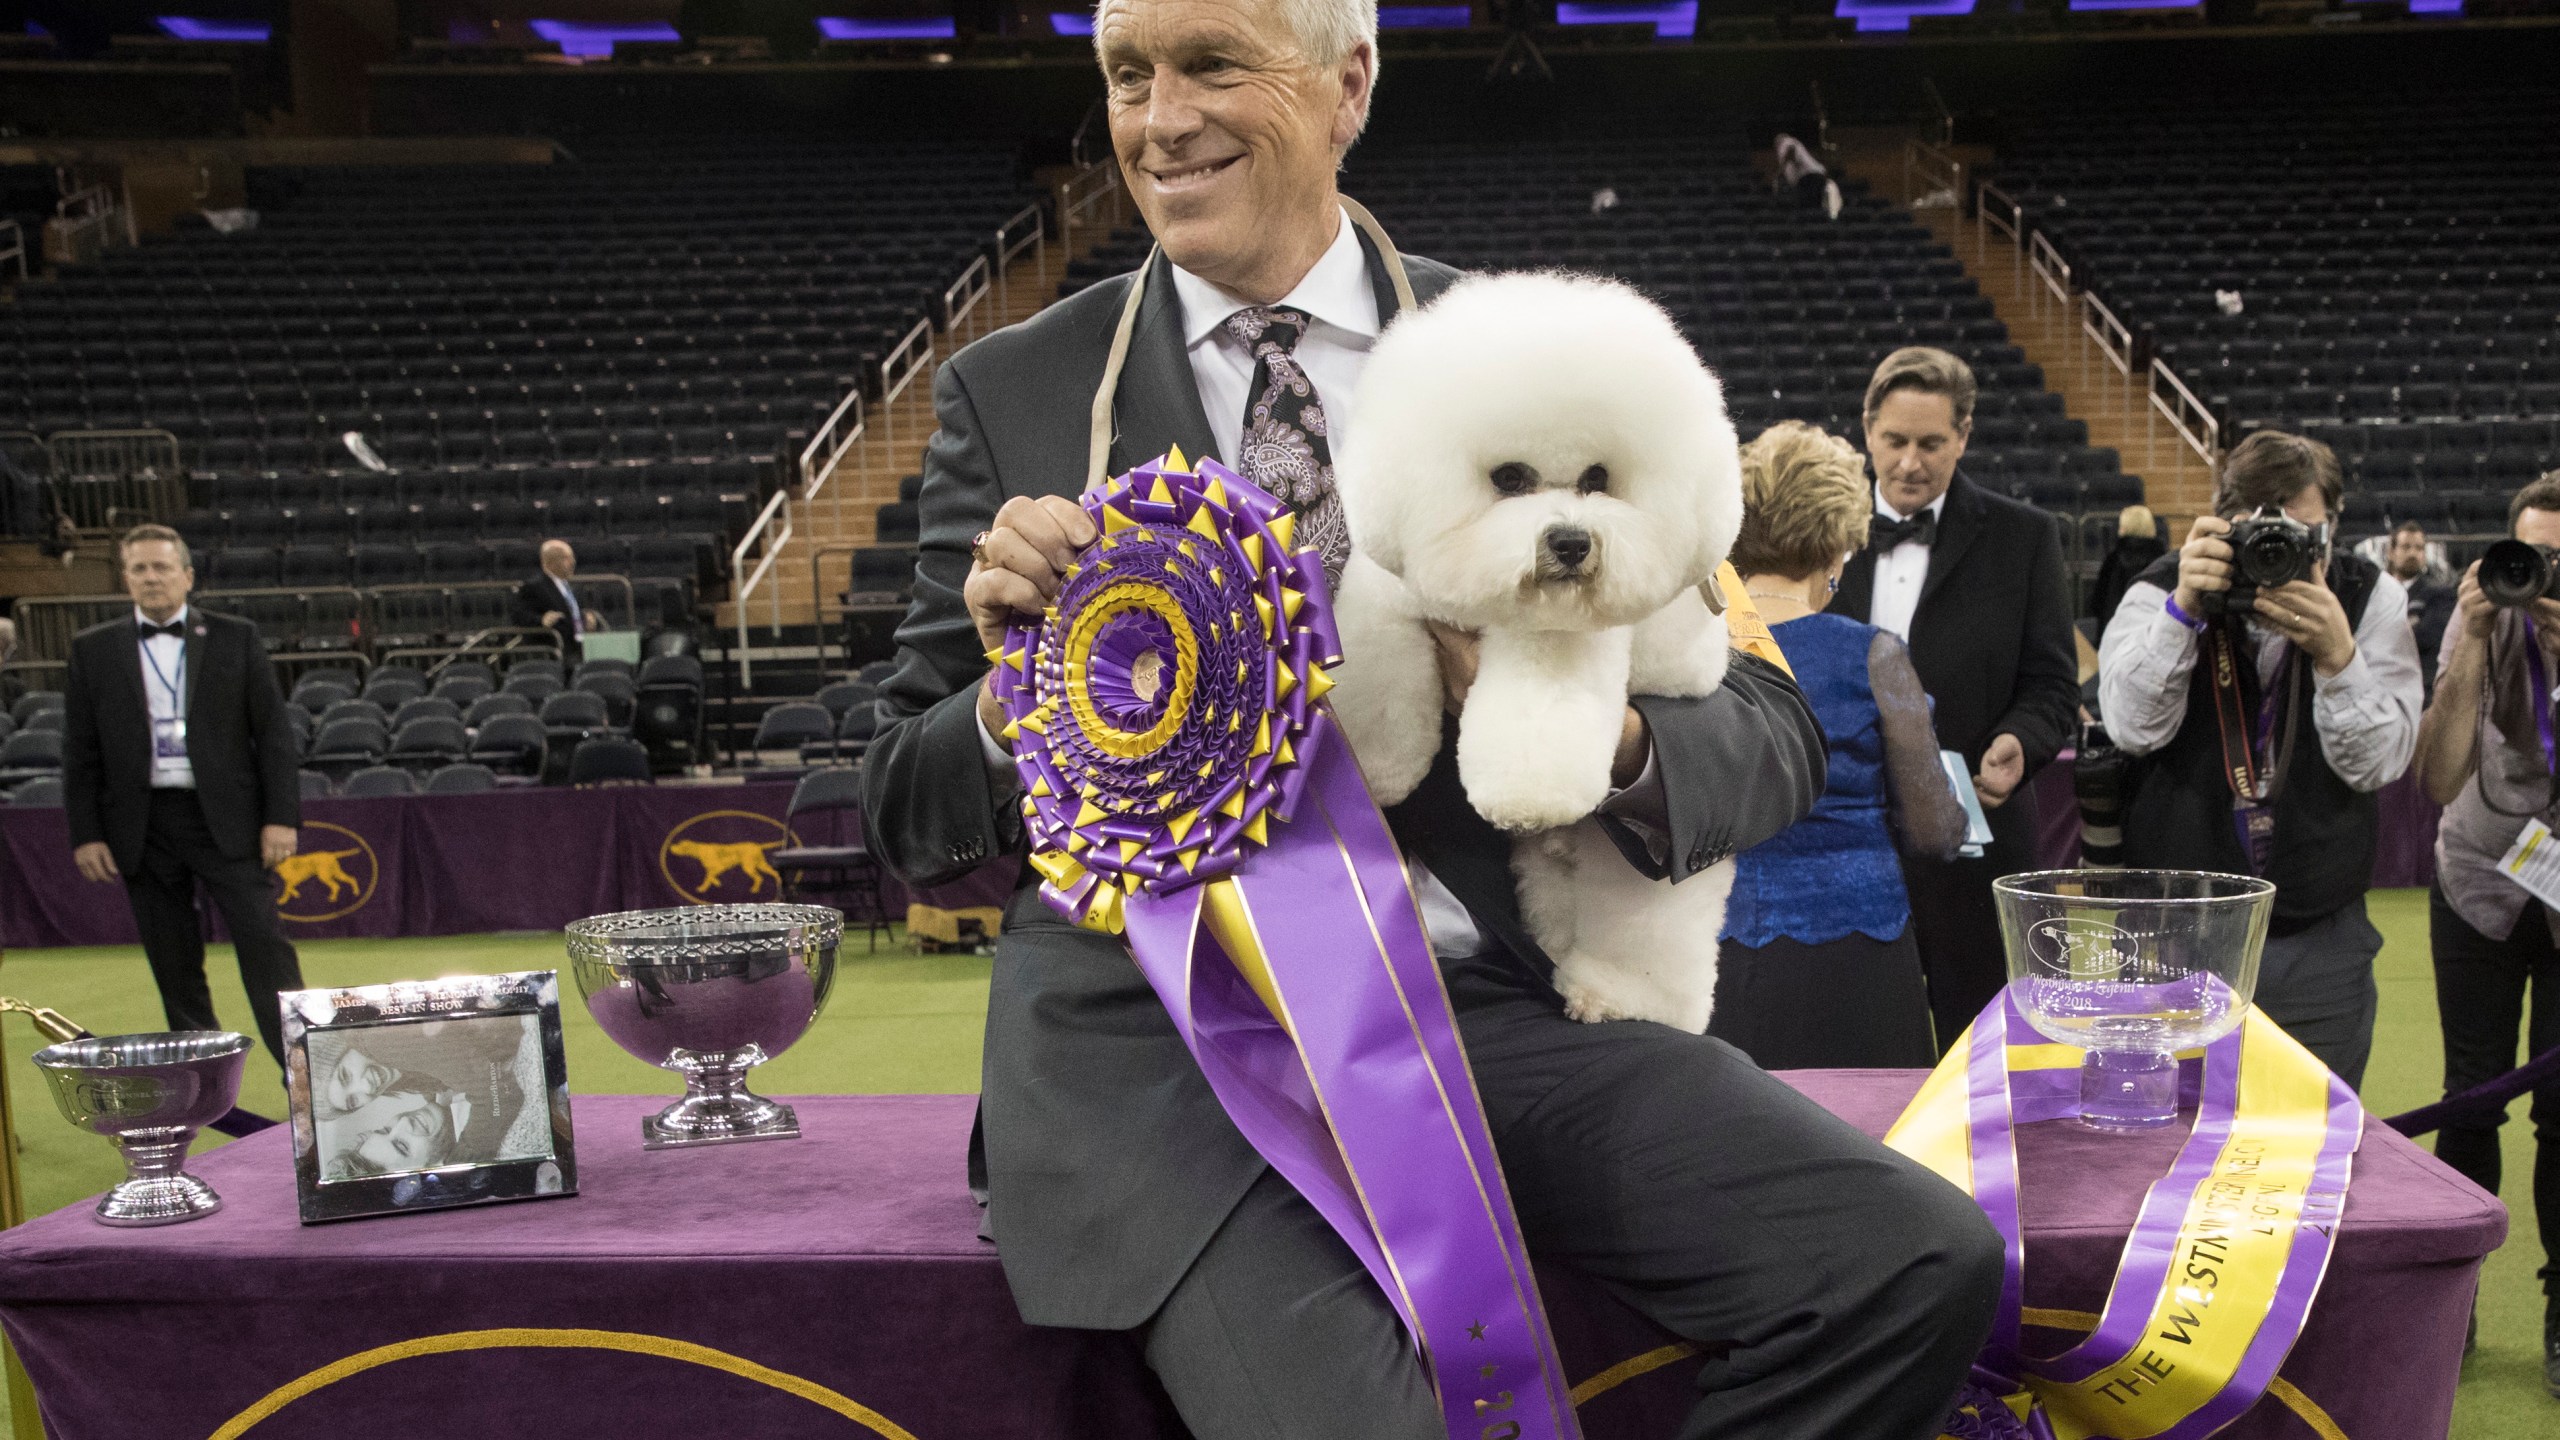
<point>1513,478</point>
<point>1594,481</point>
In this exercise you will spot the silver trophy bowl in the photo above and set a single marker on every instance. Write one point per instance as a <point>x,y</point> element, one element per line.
<point>149,1094</point>
<point>709,991</point>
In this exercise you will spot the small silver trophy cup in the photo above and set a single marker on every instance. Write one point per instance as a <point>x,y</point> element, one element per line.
<point>709,991</point>
<point>149,1094</point>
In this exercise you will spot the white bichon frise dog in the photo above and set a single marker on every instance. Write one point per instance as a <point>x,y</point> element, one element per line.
<point>1541,458</point>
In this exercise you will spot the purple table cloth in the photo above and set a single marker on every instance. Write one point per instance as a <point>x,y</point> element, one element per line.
<point>849,1261</point>
<point>515,859</point>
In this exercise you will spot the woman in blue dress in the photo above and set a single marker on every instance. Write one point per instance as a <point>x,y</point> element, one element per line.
<point>1818,968</point>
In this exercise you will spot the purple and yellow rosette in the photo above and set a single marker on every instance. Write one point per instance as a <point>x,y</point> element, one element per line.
<point>1158,710</point>
<point>1185,787</point>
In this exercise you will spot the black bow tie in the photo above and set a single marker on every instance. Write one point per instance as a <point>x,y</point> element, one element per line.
<point>1884,534</point>
<point>175,629</point>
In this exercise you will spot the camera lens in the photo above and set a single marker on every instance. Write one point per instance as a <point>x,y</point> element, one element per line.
<point>2513,573</point>
<point>2273,557</point>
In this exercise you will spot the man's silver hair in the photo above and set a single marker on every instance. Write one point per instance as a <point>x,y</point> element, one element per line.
<point>1331,29</point>
<point>1327,30</point>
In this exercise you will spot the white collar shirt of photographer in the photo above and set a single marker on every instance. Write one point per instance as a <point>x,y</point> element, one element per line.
<point>2366,714</point>
<point>1337,297</point>
<point>1901,573</point>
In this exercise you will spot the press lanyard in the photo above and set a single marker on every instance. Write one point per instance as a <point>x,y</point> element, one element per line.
<point>2253,757</point>
<point>177,690</point>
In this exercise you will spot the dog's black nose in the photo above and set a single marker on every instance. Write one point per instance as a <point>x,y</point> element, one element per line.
<point>1570,547</point>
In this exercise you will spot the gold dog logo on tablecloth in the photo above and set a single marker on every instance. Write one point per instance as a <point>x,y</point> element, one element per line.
<point>335,873</point>
<point>724,852</point>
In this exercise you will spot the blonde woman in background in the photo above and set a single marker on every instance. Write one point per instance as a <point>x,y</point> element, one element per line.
<point>1818,967</point>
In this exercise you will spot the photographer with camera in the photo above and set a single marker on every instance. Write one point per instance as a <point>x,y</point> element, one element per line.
<point>2485,753</point>
<point>2266,687</point>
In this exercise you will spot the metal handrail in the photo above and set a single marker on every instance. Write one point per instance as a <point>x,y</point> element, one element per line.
<point>834,438</point>
<point>1822,124</point>
<point>779,507</point>
<point>2205,437</point>
<point>2101,325</point>
<point>1946,117</point>
<point>1082,191</point>
<point>1007,250</point>
<point>1933,164</point>
<point>962,295</point>
<point>92,201</point>
<point>897,373</point>
<point>2048,265</point>
<point>13,245</point>
<point>2009,219</point>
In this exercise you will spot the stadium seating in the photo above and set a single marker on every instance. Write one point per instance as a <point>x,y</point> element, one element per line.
<point>2394,262</point>
<point>1793,310</point>
<point>625,349</point>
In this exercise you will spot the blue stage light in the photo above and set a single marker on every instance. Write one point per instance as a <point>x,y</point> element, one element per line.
<point>194,27</point>
<point>581,37</point>
<point>922,27</point>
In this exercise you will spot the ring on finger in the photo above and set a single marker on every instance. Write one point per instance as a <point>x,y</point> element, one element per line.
<point>978,546</point>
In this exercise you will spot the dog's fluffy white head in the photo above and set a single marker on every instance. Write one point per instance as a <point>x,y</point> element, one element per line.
<point>1540,451</point>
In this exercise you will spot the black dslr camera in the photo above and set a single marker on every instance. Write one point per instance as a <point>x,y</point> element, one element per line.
<point>2268,549</point>
<point>2514,573</point>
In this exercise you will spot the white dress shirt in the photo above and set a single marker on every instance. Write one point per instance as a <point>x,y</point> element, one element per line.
<point>164,685</point>
<point>2366,714</point>
<point>1900,572</point>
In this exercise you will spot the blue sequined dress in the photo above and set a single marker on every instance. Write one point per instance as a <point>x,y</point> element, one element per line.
<point>1818,967</point>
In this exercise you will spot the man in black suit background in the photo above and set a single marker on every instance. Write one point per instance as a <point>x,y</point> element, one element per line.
<point>1973,583</point>
<point>550,600</point>
<point>179,769</point>
<point>1839,1289</point>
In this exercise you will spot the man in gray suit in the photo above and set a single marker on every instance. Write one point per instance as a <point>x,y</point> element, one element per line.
<point>1836,1288</point>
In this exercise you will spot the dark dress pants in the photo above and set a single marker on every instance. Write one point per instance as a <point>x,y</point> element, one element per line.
<point>2481,1002</point>
<point>2316,981</point>
<point>1955,921</point>
<point>1837,1289</point>
<point>179,853</point>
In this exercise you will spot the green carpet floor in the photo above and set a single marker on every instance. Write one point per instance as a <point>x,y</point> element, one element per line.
<point>903,1022</point>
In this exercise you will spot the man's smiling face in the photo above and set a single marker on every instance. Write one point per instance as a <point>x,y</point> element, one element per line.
<point>1228,134</point>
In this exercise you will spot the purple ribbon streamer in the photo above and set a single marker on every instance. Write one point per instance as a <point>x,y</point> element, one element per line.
<point>1998,1102</point>
<point>1358,1091</point>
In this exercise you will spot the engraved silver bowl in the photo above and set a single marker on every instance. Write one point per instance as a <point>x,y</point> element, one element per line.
<point>149,1094</point>
<point>709,991</point>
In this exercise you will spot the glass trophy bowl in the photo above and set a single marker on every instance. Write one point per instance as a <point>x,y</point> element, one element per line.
<point>2132,966</point>
<point>710,992</point>
<point>150,1094</point>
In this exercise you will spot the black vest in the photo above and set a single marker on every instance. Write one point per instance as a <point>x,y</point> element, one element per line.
<point>2181,816</point>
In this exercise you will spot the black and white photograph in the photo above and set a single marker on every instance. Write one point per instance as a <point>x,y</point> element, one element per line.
<point>428,1094</point>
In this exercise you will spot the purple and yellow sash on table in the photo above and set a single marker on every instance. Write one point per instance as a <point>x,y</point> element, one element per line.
<point>2225,1256</point>
<point>1184,787</point>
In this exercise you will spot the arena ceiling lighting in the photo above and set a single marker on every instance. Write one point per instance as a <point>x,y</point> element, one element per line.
<point>922,27</point>
<point>1873,15</point>
<point>1071,22</point>
<point>1424,17</point>
<point>196,27</point>
<point>1671,19</point>
<point>582,37</point>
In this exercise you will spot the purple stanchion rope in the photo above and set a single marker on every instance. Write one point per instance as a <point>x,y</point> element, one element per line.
<point>2486,1096</point>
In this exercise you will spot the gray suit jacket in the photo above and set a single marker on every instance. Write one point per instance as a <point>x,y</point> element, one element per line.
<point>1108,1161</point>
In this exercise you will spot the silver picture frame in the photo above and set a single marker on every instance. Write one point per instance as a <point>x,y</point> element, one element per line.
<point>428,1094</point>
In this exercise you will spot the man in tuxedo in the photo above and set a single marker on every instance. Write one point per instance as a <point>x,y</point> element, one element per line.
<point>179,770</point>
<point>1973,583</point>
<point>550,600</point>
<point>1838,1289</point>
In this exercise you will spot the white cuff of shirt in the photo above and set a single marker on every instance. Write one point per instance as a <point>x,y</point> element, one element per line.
<point>999,763</point>
<point>2351,676</point>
